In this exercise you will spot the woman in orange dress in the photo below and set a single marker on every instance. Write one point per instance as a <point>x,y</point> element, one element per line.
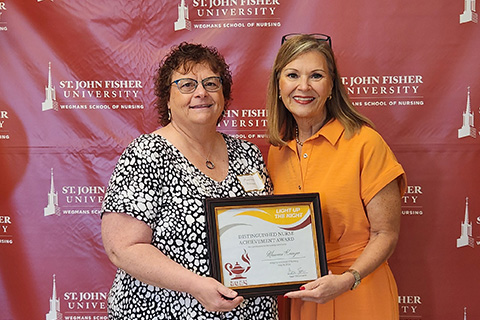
<point>320,143</point>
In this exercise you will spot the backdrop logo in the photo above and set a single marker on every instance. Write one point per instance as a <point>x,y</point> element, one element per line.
<point>79,302</point>
<point>52,207</point>
<point>220,14</point>
<point>5,236</point>
<point>3,8</point>
<point>408,306</point>
<point>86,94</point>
<point>54,312</point>
<point>244,123</point>
<point>89,305</point>
<point>74,199</point>
<point>466,238</point>
<point>467,129</point>
<point>469,14</point>
<point>4,133</point>
<point>385,90</point>
<point>411,201</point>
<point>50,102</point>
<point>182,21</point>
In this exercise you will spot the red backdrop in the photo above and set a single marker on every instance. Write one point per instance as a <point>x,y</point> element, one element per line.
<point>76,88</point>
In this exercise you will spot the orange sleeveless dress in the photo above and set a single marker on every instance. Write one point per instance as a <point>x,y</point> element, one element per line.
<point>347,174</point>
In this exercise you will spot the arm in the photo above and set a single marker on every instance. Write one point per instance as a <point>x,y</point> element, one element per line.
<point>384,212</point>
<point>127,242</point>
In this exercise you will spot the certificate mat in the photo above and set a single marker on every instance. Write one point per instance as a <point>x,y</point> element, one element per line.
<point>266,245</point>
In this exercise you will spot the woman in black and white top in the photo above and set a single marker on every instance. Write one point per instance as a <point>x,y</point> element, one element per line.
<point>153,219</point>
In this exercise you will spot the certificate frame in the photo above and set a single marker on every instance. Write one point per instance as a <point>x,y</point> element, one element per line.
<point>287,273</point>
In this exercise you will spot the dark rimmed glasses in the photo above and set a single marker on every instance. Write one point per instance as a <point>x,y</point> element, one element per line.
<point>317,36</point>
<point>189,85</point>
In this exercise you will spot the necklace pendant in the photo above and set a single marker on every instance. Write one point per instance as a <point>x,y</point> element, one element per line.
<point>209,164</point>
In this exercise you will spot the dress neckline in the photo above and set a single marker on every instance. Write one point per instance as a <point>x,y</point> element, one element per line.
<point>175,149</point>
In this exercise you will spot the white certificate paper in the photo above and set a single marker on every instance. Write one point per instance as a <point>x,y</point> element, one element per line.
<point>259,245</point>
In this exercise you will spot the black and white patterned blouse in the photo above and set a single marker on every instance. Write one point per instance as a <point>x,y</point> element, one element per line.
<point>155,183</point>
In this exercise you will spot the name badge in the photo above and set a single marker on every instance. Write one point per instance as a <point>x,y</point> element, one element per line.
<point>251,182</point>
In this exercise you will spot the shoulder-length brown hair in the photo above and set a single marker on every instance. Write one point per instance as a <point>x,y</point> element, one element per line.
<point>281,123</point>
<point>183,58</point>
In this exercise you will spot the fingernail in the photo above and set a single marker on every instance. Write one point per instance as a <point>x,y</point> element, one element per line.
<point>302,288</point>
<point>285,297</point>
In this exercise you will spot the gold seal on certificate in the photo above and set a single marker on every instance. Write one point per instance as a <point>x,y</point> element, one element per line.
<point>266,245</point>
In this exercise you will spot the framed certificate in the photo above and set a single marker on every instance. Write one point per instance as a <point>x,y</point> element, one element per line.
<point>266,245</point>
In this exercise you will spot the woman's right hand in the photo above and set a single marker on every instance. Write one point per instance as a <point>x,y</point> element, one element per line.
<point>214,296</point>
<point>127,242</point>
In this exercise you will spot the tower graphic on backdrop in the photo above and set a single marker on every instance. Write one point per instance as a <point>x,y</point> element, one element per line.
<point>467,129</point>
<point>54,312</point>
<point>182,21</point>
<point>50,97</point>
<point>466,238</point>
<point>52,206</point>
<point>469,14</point>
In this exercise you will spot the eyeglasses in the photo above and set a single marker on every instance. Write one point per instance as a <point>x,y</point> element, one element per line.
<point>317,36</point>
<point>189,85</point>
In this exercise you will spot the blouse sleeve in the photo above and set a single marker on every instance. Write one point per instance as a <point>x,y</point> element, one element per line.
<point>379,167</point>
<point>133,187</point>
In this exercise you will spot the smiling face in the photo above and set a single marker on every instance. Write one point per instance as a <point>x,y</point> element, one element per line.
<point>305,84</point>
<point>200,107</point>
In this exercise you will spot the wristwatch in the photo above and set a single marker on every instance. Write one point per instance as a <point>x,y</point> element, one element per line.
<point>357,277</point>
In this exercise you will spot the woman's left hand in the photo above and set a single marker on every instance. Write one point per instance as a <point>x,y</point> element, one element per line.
<point>384,212</point>
<point>324,289</point>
